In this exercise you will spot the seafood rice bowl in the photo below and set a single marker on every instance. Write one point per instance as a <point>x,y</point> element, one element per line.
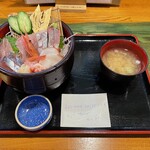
<point>35,58</point>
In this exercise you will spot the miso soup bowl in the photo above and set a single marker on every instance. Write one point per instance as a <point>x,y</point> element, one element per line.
<point>40,82</point>
<point>130,46</point>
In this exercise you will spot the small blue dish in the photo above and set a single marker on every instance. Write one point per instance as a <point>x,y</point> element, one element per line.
<point>33,112</point>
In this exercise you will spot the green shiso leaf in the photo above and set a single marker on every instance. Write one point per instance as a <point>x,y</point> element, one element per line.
<point>12,41</point>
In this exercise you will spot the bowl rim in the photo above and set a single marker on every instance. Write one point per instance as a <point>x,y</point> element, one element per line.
<point>130,42</point>
<point>46,71</point>
<point>37,127</point>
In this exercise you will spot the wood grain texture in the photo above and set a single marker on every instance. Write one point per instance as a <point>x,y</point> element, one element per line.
<point>128,11</point>
<point>71,2</point>
<point>75,143</point>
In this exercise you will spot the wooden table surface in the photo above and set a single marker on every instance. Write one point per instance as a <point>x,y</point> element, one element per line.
<point>128,11</point>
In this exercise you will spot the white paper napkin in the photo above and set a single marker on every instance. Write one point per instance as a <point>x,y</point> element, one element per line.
<point>85,110</point>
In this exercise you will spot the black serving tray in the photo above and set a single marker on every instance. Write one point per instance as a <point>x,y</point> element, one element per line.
<point>129,105</point>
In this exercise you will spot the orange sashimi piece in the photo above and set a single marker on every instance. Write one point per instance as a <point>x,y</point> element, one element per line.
<point>36,58</point>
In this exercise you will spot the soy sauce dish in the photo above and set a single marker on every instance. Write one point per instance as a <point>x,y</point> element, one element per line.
<point>122,60</point>
<point>33,112</point>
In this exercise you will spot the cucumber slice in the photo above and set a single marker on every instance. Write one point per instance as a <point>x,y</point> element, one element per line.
<point>13,22</point>
<point>24,22</point>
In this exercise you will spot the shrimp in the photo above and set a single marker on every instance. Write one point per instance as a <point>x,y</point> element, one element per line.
<point>29,46</point>
<point>36,58</point>
<point>33,53</point>
<point>37,67</point>
<point>40,51</point>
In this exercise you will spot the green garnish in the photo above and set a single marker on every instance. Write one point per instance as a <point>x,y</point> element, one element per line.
<point>54,25</point>
<point>20,23</point>
<point>24,22</point>
<point>61,43</point>
<point>13,22</point>
<point>12,42</point>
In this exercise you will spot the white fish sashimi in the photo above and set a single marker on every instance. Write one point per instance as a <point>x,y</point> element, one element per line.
<point>42,40</point>
<point>5,48</point>
<point>50,60</point>
<point>54,37</point>
<point>52,57</point>
<point>50,51</point>
<point>21,46</point>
